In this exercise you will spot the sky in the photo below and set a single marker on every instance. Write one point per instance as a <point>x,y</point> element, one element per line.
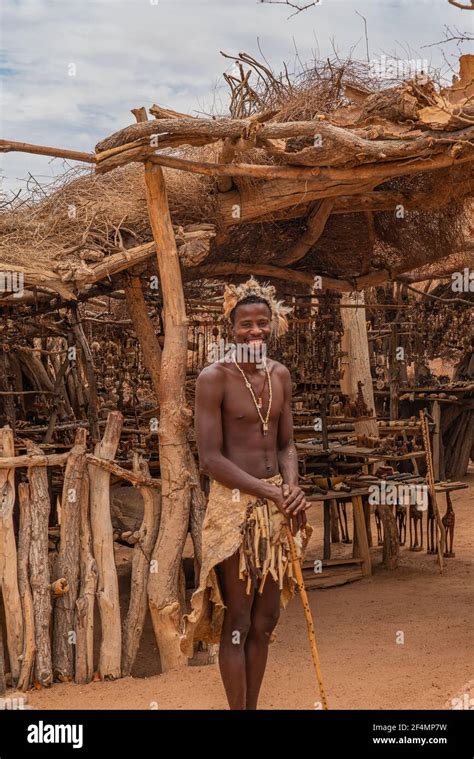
<point>71,70</point>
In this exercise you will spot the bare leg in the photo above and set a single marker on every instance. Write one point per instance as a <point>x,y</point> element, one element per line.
<point>234,631</point>
<point>265,614</point>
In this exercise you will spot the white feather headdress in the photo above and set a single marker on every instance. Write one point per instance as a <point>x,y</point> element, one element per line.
<point>233,294</point>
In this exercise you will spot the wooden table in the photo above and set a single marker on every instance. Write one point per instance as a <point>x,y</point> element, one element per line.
<point>360,541</point>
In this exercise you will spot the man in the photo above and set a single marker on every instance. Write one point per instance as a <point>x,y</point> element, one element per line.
<point>244,433</point>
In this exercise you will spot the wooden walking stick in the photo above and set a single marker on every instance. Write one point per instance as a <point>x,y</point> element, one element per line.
<point>307,613</point>
<point>431,485</point>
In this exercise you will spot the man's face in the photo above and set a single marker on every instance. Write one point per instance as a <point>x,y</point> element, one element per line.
<point>252,324</point>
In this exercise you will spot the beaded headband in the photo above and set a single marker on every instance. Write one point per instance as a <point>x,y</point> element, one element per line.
<point>234,294</point>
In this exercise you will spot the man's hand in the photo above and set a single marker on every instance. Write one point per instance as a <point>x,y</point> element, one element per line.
<point>278,498</point>
<point>294,506</point>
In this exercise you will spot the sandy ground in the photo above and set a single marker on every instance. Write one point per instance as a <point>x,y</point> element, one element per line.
<point>356,626</point>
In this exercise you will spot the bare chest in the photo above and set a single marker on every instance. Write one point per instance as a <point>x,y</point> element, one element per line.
<point>242,408</point>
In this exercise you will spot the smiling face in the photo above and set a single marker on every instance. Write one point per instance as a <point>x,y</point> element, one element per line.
<point>252,324</point>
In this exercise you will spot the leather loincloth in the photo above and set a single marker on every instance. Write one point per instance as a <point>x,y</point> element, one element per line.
<point>256,529</point>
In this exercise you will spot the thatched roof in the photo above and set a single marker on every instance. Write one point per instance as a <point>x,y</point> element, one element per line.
<point>362,177</point>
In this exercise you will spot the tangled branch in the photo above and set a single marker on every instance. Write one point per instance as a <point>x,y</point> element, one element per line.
<point>460,5</point>
<point>299,7</point>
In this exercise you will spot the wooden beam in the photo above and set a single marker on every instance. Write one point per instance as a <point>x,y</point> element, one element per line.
<point>166,113</point>
<point>53,459</point>
<point>255,201</point>
<point>266,270</point>
<point>188,130</point>
<point>124,474</point>
<point>34,278</point>
<point>7,146</point>
<point>315,227</point>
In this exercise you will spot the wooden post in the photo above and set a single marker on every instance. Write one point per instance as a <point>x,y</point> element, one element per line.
<point>436,438</point>
<point>198,512</point>
<point>394,372</point>
<point>39,567</point>
<point>134,621</point>
<point>85,601</point>
<point>143,327</point>
<point>152,355</point>
<point>24,542</point>
<point>361,545</point>
<point>103,544</point>
<point>68,560</point>
<point>357,368</point>
<point>165,608</point>
<point>390,536</point>
<point>8,558</point>
<point>3,682</point>
<point>335,537</point>
<point>92,407</point>
<point>357,363</point>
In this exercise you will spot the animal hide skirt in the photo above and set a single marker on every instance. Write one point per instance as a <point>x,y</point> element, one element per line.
<point>254,527</point>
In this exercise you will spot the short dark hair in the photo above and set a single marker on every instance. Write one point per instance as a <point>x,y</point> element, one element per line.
<point>248,300</point>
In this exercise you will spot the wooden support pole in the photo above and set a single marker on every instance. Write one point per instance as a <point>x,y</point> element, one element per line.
<point>163,590</point>
<point>224,183</point>
<point>6,392</point>
<point>3,681</point>
<point>441,532</point>
<point>58,383</point>
<point>39,568</point>
<point>152,354</point>
<point>88,586</point>
<point>394,370</point>
<point>103,544</point>
<point>81,340</point>
<point>356,363</point>
<point>8,558</point>
<point>357,368</point>
<point>141,567</point>
<point>143,328</point>
<point>361,544</point>
<point>24,542</point>
<point>436,438</point>
<point>68,561</point>
<point>197,514</point>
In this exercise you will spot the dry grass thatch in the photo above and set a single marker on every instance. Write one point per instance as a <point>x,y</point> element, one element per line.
<point>83,216</point>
